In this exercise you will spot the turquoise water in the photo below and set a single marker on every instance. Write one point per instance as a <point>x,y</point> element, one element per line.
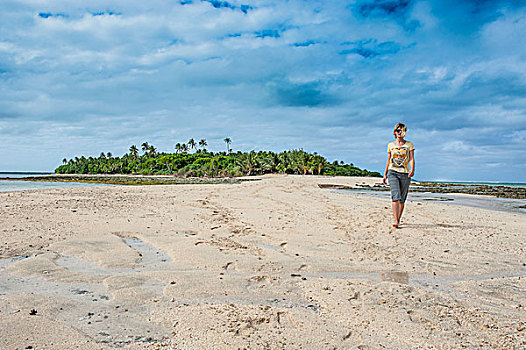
<point>510,184</point>
<point>18,175</point>
<point>13,185</point>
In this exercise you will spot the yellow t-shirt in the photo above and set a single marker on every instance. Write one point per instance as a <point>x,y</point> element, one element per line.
<point>400,156</point>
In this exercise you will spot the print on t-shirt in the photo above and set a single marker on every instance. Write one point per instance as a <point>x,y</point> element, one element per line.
<point>399,156</point>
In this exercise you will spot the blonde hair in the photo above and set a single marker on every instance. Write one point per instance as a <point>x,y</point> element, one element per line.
<point>402,127</point>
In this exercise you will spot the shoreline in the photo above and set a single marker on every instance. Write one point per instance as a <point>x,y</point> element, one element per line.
<point>498,191</point>
<point>132,180</point>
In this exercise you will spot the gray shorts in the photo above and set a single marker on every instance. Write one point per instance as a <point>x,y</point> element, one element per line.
<point>399,184</point>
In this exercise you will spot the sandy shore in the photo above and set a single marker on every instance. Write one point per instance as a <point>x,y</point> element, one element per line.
<point>273,264</point>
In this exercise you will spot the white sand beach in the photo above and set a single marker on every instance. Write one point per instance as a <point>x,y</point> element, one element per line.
<point>277,263</point>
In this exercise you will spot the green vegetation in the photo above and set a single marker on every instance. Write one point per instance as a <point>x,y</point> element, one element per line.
<point>203,163</point>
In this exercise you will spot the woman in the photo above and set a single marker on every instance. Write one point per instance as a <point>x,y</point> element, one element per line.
<point>399,169</point>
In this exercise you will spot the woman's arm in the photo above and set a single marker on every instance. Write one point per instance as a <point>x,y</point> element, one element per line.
<point>412,162</point>
<point>386,168</point>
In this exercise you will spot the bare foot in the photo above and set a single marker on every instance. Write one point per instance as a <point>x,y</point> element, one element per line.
<point>395,225</point>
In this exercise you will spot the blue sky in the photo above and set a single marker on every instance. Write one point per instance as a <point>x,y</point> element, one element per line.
<point>79,78</point>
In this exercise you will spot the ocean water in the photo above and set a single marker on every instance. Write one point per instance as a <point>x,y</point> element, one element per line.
<point>510,184</point>
<point>18,175</point>
<point>510,205</point>
<point>13,185</point>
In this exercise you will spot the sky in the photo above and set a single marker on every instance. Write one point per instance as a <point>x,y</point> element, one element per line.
<point>333,77</point>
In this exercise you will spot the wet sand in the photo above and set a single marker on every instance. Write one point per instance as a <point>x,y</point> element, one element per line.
<point>510,205</point>
<point>273,264</point>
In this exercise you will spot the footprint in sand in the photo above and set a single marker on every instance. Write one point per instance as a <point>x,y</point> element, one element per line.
<point>229,266</point>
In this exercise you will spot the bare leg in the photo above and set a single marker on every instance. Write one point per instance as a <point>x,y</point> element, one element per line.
<point>396,212</point>
<point>402,205</point>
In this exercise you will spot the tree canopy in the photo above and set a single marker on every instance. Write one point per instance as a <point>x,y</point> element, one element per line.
<point>209,164</point>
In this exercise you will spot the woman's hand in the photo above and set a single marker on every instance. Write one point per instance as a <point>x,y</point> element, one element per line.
<point>384,181</point>
<point>411,173</point>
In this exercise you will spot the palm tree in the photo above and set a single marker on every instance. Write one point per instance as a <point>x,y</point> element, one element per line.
<point>109,155</point>
<point>300,161</point>
<point>271,161</point>
<point>184,148</point>
<point>152,150</point>
<point>145,147</point>
<point>191,144</point>
<point>203,143</point>
<point>178,148</point>
<point>228,142</point>
<point>134,151</point>
<point>102,155</point>
<point>304,160</point>
<point>211,167</point>
<point>317,164</point>
<point>65,161</point>
<point>249,162</point>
